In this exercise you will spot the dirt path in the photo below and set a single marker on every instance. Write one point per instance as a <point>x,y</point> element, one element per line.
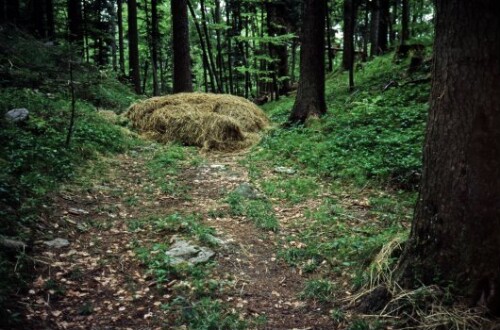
<point>100,282</point>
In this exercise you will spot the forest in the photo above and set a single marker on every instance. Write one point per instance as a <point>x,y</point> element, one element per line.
<point>250,164</point>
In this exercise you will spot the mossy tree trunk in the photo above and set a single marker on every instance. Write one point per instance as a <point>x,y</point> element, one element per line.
<point>455,236</point>
<point>310,100</point>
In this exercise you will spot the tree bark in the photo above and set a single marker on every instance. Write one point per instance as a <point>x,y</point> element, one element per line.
<point>455,236</point>
<point>155,36</point>
<point>121,49</point>
<point>75,22</point>
<point>374,27</point>
<point>383,29</point>
<point>310,100</point>
<point>182,58</point>
<point>12,11</point>
<point>38,17</point>
<point>405,20</point>
<point>133,46</point>
<point>49,12</point>
<point>349,22</point>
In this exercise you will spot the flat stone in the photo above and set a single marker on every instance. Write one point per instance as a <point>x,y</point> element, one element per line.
<point>76,211</point>
<point>246,190</point>
<point>57,243</point>
<point>184,251</point>
<point>17,115</point>
<point>284,170</point>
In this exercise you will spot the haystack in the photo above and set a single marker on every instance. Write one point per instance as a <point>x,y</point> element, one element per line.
<point>210,121</point>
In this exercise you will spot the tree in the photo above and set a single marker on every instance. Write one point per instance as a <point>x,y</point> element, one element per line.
<point>75,20</point>
<point>348,54</point>
<point>180,40</point>
<point>155,40</point>
<point>310,100</point>
<point>455,236</point>
<point>405,19</point>
<point>133,46</point>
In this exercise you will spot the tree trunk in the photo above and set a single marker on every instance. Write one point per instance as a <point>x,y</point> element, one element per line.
<point>121,49</point>
<point>331,53</point>
<point>405,20</point>
<point>310,100</point>
<point>155,36</point>
<point>182,57</point>
<point>349,21</point>
<point>220,60</point>
<point>204,55</point>
<point>133,46</point>
<point>2,12</point>
<point>38,15</point>
<point>210,54</point>
<point>383,28</point>
<point>455,236</point>
<point>12,11</point>
<point>49,12</point>
<point>75,22</point>
<point>374,27</point>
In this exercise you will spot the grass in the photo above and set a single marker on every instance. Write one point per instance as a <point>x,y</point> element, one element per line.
<point>259,211</point>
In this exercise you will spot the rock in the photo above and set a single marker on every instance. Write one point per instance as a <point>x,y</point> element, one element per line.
<point>284,170</point>
<point>12,244</point>
<point>218,167</point>
<point>183,251</point>
<point>246,190</point>
<point>17,115</point>
<point>76,211</point>
<point>57,243</point>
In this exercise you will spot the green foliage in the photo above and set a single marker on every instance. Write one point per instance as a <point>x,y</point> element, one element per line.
<point>260,211</point>
<point>294,190</point>
<point>370,135</point>
<point>319,290</point>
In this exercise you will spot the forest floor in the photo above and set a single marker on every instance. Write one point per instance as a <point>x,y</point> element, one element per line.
<point>120,217</point>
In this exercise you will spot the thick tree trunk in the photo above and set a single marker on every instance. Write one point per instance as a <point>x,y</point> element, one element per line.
<point>405,20</point>
<point>310,99</point>
<point>12,11</point>
<point>49,12</point>
<point>2,12</point>
<point>374,27</point>
<point>133,46</point>
<point>75,22</point>
<point>383,29</point>
<point>349,21</point>
<point>39,18</point>
<point>455,236</point>
<point>182,57</point>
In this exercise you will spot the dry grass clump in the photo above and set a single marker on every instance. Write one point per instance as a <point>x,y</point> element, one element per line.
<point>427,307</point>
<point>210,121</point>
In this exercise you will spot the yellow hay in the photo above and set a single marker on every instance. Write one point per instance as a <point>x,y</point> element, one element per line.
<point>210,121</point>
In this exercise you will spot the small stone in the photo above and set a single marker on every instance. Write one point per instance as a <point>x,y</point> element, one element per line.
<point>246,190</point>
<point>57,243</point>
<point>17,115</point>
<point>75,211</point>
<point>183,251</point>
<point>284,170</point>
<point>218,167</point>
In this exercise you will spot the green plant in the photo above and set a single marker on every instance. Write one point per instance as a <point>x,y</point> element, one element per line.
<point>320,290</point>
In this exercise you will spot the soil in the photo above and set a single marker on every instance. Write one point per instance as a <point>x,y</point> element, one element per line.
<point>98,281</point>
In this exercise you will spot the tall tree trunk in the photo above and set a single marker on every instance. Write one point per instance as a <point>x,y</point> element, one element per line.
<point>12,11</point>
<point>349,22</point>
<point>405,21</point>
<point>384,22</point>
<point>206,64</point>
<point>155,36</point>
<point>455,236</point>
<point>220,60</point>
<point>310,100</point>
<point>121,49</point>
<point>49,12</point>
<point>331,52</point>
<point>133,46</point>
<point>229,37</point>
<point>182,56</point>
<point>210,53</point>
<point>38,17</point>
<point>374,28</point>
<point>75,23</point>
<point>2,12</point>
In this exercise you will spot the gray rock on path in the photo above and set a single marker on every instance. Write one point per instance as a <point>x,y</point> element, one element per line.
<point>284,170</point>
<point>183,251</point>
<point>17,115</point>
<point>246,190</point>
<point>57,243</point>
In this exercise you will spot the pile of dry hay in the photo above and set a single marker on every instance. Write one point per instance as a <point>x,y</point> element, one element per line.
<point>210,121</point>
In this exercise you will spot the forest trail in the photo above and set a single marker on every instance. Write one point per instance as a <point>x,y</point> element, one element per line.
<point>110,218</point>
